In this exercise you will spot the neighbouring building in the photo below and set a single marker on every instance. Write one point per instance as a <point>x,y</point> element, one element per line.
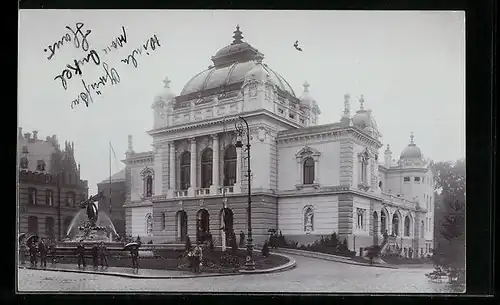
<point>49,186</point>
<point>307,180</point>
<point>114,187</point>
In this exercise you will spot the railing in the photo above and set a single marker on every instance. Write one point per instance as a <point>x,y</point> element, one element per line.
<point>401,201</point>
<point>181,193</point>
<point>226,189</point>
<point>202,192</point>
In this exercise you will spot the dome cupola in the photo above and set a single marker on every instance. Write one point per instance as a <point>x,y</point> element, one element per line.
<point>412,151</point>
<point>363,119</point>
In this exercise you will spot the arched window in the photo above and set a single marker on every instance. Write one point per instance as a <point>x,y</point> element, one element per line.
<point>206,168</point>
<point>149,225</point>
<point>230,165</point>
<point>149,186</point>
<point>395,224</point>
<point>308,219</point>
<point>49,227</point>
<point>308,171</point>
<point>383,224</point>
<point>185,169</point>
<point>407,226</point>
<point>33,225</point>
<point>70,199</point>
<point>49,197</point>
<point>422,229</point>
<point>361,218</point>
<point>363,161</point>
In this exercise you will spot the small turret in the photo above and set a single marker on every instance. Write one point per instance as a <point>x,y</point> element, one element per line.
<point>388,157</point>
<point>346,117</point>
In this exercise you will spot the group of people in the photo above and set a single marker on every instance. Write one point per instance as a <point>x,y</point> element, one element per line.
<point>42,249</point>
<point>99,252</point>
<point>196,257</point>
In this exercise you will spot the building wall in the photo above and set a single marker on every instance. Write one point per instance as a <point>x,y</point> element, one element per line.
<point>118,193</point>
<point>60,211</point>
<point>291,217</point>
<point>327,171</point>
<point>138,220</point>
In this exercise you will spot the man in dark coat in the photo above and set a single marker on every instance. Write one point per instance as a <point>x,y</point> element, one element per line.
<point>134,252</point>
<point>32,250</point>
<point>22,253</point>
<point>95,255</point>
<point>80,253</point>
<point>103,252</point>
<point>42,249</point>
<point>242,239</point>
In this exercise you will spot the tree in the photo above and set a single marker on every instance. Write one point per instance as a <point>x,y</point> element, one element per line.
<point>449,250</point>
<point>372,252</point>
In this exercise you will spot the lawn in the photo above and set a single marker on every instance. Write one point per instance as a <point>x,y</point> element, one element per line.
<point>174,260</point>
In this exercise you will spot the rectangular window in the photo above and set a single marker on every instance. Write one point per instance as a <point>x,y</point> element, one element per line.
<point>302,121</point>
<point>406,179</point>
<point>49,198</point>
<point>360,214</point>
<point>281,111</point>
<point>416,179</point>
<point>32,195</point>
<point>291,116</point>
<point>163,220</point>
<point>423,179</point>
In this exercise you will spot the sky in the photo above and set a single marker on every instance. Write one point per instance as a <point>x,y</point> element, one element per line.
<point>409,66</point>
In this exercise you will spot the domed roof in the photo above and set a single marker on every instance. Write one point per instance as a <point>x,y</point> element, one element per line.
<point>258,72</point>
<point>231,65</point>
<point>364,118</point>
<point>411,151</point>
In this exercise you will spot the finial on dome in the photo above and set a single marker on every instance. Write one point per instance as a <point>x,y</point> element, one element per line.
<point>259,58</point>
<point>388,149</point>
<point>361,102</point>
<point>306,86</point>
<point>237,35</point>
<point>411,138</point>
<point>166,82</point>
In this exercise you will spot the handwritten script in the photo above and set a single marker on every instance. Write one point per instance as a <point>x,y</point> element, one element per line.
<point>110,76</point>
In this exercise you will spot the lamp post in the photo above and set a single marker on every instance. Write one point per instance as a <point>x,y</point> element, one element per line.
<point>245,130</point>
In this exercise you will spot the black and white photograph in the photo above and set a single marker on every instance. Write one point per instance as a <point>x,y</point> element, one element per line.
<point>233,151</point>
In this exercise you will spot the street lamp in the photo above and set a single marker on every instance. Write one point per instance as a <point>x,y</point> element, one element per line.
<point>245,130</point>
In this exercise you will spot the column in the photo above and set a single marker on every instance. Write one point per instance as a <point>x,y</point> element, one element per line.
<point>215,165</point>
<point>172,168</point>
<point>237,186</point>
<point>192,175</point>
<point>316,170</point>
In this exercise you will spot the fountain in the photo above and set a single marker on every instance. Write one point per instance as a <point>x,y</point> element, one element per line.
<point>90,226</point>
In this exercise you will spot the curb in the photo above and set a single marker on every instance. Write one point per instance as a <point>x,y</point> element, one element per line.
<point>127,275</point>
<point>290,265</point>
<point>330,257</point>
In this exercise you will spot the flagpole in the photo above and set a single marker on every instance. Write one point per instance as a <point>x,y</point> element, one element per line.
<point>110,179</point>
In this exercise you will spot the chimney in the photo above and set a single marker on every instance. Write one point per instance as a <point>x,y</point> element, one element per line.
<point>27,135</point>
<point>387,157</point>
<point>35,135</point>
<point>130,146</point>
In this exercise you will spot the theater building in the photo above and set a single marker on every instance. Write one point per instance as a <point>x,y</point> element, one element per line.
<point>307,180</point>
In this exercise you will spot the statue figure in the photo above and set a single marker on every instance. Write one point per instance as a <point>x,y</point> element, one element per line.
<point>309,220</point>
<point>90,205</point>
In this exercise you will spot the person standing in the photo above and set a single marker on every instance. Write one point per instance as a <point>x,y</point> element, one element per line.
<point>134,252</point>
<point>95,255</point>
<point>242,239</point>
<point>103,251</point>
<point>197,257</point>
<point>80,253</point>
<point>32,250</point>
<point>42,249</point>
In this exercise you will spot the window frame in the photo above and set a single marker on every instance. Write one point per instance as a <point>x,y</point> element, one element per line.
<point>184,170</point>
<point>308,171</point>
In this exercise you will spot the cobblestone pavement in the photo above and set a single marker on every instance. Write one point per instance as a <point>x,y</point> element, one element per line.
<point>310,275</point>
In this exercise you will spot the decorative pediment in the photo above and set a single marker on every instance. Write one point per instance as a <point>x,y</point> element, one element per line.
<point>307,151</point>
<point>146,172</point>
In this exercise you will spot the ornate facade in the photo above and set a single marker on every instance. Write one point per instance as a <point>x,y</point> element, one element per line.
<point>307,180</point>
<point>49,186</point>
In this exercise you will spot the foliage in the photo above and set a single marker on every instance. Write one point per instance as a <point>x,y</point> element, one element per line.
<point>372,252</point>
<point>329,244</point>
<point>449,252</point>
